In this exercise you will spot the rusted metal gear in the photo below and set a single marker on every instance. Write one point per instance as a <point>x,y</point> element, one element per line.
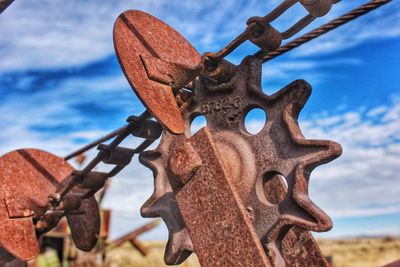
<point>270,169</point>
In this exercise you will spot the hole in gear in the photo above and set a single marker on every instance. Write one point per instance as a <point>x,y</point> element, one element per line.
<point>275,187</point>
<point>197,123</point>
<point>255,120</point>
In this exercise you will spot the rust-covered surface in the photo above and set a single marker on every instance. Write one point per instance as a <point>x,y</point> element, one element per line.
<point>28,177</point>
<point>234,198</point>
<point>217,221</point>
<point>153,57</point>
<point>85,224</point>
<point>254,164</point>
<point>300,249</point>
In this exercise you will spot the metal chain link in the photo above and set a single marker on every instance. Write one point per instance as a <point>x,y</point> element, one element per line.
<point>261,33</point>
<point>141,126</point>
<point>355,13</point>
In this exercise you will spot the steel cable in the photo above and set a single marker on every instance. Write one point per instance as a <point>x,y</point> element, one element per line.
<point>362,10</point>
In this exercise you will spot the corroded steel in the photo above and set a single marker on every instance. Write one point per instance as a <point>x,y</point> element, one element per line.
<point>254,164</point>
<point>262,185</point>
<point>85,224</point>
<point>154,57</point>
<point>28,177</point>
<point>299,249</point>
<point>219,226</point>
<point>90,181</point>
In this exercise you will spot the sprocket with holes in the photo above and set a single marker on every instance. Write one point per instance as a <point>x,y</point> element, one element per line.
<point>270,169</point>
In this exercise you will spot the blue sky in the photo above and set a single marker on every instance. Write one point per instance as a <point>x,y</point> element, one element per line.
<point>61,87</point>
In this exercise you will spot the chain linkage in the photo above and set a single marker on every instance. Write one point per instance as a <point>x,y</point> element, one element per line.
<point>333,24</point>
<point>64,201</point>
<point>260,32</point>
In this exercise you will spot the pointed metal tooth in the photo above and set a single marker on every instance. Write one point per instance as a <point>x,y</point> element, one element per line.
<point>179,247</point>
<point>162,203</point>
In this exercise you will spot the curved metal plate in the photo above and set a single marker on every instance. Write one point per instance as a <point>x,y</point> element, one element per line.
<point>27,177</point>
<point>85,224</point>
<point>138,34</point>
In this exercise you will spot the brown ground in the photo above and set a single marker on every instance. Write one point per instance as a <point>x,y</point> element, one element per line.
<point>360,252</point>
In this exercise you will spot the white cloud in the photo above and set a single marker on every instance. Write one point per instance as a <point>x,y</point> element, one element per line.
<point>377,111</point>
<point>364,181</point>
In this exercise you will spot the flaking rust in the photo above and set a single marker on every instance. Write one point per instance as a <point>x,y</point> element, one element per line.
<point>269,170</point>
<point>155,60</point>
<point>28,177</point>
<point>217,221</point>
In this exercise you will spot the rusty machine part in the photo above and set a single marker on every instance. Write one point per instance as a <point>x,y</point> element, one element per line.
<point>267,173</point>
<point>269,170</point>
<point>112,154</point>
<point>37,189</point>
<point>221,179</point>
<point>155,60</point>
<point>158,62</point>
<point>28,177</point>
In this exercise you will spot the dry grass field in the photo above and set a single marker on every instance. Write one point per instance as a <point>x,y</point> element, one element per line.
<point>361,252</point>
<point>126,255</point>
<point>358,252</point>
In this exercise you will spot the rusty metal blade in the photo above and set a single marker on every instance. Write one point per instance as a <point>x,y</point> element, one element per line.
<point>222,233</point>
<point>85,221</point>
<point>27,177</point>
<point>85,224</point>
<point>138,34</point>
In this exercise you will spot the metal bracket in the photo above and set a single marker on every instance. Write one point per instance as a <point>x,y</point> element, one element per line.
<point>223,225</point>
